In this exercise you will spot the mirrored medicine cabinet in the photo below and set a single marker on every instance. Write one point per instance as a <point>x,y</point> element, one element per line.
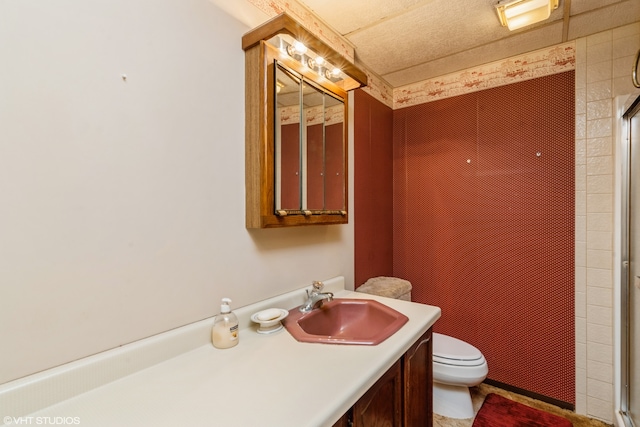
<point>296,127</point>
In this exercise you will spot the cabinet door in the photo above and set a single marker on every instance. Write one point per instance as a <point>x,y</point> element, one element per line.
<point>418,383</point>
<point>381,406</point>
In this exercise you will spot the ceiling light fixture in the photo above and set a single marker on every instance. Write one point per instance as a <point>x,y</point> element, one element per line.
<point>516,14</point>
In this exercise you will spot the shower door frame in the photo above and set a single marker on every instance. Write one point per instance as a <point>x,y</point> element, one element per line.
<point>625,279</point>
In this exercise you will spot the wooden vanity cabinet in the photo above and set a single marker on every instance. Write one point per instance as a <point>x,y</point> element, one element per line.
<point>381,405</point>
<point>417,367</point>
<point>402,397</point>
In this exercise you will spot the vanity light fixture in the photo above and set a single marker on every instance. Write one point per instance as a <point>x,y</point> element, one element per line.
<point>297,50</point>
<point>516,14</point>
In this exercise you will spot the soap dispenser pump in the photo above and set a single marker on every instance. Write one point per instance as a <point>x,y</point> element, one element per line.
<point>224,333</point>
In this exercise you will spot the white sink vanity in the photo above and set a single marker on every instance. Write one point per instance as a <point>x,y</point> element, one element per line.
<point>179,378</point>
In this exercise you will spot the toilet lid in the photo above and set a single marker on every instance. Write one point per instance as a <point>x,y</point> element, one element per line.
<point>452,351</point>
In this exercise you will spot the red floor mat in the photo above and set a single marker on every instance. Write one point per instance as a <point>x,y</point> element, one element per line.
<point>498,411</point>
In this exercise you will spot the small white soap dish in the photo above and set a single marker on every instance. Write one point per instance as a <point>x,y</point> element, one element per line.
<point>269,320</point>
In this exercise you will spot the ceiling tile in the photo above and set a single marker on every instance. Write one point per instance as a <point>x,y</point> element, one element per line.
<point>426,34</point>
<point>348,16</point>
<point>518,44</point>
<point>581,6</point>
<point>419,37</point>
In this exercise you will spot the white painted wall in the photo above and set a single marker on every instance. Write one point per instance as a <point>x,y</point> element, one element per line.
<point>122,202</point>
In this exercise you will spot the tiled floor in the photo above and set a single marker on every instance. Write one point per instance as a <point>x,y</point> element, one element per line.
<point>478,394</point>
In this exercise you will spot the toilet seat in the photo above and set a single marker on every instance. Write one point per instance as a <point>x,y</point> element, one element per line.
<point>448,350</point>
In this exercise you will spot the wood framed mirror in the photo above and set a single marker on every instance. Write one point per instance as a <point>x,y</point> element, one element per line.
<point>296,127</point>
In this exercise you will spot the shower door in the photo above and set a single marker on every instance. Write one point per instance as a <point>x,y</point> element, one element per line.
<point>631,272</point>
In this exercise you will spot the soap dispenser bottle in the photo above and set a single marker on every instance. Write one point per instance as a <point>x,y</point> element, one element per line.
<point>224,333</point>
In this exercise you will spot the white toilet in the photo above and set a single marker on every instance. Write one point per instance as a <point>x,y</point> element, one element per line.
<point>457,365</point>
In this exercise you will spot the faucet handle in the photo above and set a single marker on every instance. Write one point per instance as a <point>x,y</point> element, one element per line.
<point>316,287</point>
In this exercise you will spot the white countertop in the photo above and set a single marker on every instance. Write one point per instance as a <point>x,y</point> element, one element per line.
<point>266,380</point>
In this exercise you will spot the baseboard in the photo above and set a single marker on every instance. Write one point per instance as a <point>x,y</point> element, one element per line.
<point>541,397</point>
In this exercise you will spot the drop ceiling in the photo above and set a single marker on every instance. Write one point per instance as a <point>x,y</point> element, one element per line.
<point>406,41</point>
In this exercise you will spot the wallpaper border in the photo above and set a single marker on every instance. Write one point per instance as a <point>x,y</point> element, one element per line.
<point>539,63</point>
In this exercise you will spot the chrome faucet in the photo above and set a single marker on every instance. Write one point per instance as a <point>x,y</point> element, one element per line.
<point>315,297</point>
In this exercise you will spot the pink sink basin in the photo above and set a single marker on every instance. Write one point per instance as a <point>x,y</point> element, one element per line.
<point>345,321</point>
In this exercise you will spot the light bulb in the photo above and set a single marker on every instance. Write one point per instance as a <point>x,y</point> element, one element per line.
<point>299,48</point>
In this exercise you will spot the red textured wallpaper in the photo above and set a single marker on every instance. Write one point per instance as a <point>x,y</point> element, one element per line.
<point>484,200</point>
<point>315,167</point>
<point>290,197</point>
<point>373,188</point>
<point>334,158</point>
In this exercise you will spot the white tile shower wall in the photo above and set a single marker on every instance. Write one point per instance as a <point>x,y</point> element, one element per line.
<point>603,64</point>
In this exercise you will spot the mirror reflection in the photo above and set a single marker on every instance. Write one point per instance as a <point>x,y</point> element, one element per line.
<point>288,141</point>
<point>334,154</point>
<point>309,146</point>
<point>313,101</point>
